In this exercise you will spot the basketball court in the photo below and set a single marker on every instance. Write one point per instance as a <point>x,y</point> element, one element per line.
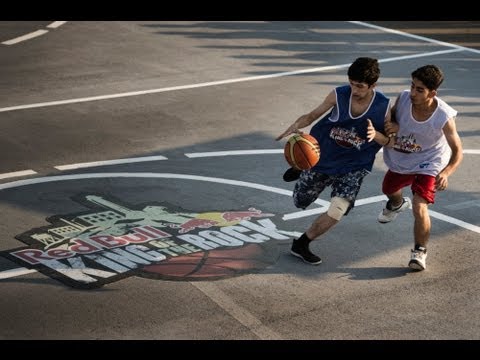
<point>142,194</point>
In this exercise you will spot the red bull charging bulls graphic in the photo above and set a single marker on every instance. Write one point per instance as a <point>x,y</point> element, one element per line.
<point>114,240</point>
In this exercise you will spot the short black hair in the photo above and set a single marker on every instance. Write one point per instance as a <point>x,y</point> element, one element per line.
<point>430,75</point>
<point>364,70</point>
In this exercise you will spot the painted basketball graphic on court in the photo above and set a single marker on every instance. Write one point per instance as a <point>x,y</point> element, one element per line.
<point>214,264</point>
<point>114,240</point>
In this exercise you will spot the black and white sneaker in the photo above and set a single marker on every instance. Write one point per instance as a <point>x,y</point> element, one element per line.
<point>388,215</point>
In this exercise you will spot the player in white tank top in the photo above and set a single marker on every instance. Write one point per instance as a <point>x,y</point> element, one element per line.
<point>420,146</point>
<point>424,153</point>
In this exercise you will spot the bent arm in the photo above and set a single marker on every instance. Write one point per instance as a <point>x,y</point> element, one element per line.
<point>390,130</point>
<point>453,139</point>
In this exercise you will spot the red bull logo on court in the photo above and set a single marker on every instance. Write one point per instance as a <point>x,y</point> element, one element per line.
<point>206,220</point>
<point>114,240</point>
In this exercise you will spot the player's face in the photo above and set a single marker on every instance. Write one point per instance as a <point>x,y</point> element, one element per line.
<point>419,93</point>
<point>359,89</point>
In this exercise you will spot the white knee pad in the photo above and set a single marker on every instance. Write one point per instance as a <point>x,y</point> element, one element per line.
<point>338,207</point>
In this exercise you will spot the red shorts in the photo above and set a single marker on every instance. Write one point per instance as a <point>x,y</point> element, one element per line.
<point>423,185</point>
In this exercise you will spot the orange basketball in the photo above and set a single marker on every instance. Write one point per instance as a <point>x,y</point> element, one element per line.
<point>302,151</point>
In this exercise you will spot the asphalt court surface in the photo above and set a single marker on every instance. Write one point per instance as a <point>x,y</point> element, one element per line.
<point>185,231</point>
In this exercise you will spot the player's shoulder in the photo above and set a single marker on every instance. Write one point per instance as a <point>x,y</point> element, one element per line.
<point>448,111</point>
<point>342,89</point>
<point>381,98</point>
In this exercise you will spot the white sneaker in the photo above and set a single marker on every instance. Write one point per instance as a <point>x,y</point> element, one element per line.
<point>418,260</point>
<point>388,215</point>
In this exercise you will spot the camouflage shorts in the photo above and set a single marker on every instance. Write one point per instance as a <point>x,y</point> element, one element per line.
<point>311,183</point>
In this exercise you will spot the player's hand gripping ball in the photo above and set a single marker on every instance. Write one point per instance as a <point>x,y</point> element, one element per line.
<point>302,151</point>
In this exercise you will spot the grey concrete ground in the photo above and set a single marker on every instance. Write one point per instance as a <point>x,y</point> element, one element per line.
<point>363,290</point>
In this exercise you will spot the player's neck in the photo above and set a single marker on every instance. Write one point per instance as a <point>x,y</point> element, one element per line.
<point>364,100</point>
<point>428,106</point>
<point>423,111</point>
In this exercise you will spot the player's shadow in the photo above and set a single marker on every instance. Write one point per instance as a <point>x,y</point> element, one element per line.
<point>375,273</point>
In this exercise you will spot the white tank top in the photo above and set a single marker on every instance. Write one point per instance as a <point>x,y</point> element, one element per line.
<point>421,146</point>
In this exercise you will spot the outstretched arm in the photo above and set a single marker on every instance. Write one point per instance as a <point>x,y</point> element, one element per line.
<point>453,139</point>
<point>307,119</point>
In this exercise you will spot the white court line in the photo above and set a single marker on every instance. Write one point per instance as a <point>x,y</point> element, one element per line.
<point>440,52</point>
<point>248,320</point>
<point>46,179</point>
<point>155,158</point>
<point>268,151</point>
<point>373,199</point>
<point>15,272</point>
<point>305,213</point>
<point>326,204</point>
<point>109,162</point>
<point>465,151</point>
<point>55,24</point>
<point>234,152</point>
<point>251,78</point>
<point>17,173</point>
<point>159,157</point>
<point>25,37</point>
<point>370,200</point>
<point>211,83</point>
<point>417,37</point>
<point>454,221</point>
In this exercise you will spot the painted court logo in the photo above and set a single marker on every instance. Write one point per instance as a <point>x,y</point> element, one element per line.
<point>114,240</point>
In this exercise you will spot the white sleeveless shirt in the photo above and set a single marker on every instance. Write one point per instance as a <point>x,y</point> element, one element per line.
<point>421,146</point>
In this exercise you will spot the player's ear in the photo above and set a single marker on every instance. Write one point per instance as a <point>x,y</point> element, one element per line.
<point>373,85</point>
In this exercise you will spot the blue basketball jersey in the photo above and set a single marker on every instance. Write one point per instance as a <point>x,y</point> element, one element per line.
<point>343,138</point>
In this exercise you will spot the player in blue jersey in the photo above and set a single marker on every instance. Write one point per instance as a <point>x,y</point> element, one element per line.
<point>345,137</point>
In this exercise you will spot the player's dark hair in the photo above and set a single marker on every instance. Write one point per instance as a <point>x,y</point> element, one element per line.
<point>430,75</point>
<point>364,70</point>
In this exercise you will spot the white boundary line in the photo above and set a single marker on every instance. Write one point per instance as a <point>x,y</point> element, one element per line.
<point>454,221</point>
<point>211,83</point>
<point>33,34</point>
<point>109,162</point>
<point>266,151</point>
<point>25,37</point>
<point>234,152</point>
<point>160,157</point>
<point>17,173</point>
<point>417,37</point>
<point>245,317</point>
<point>456,48</point>
<point>15,272</point>
<point>55,24</point>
